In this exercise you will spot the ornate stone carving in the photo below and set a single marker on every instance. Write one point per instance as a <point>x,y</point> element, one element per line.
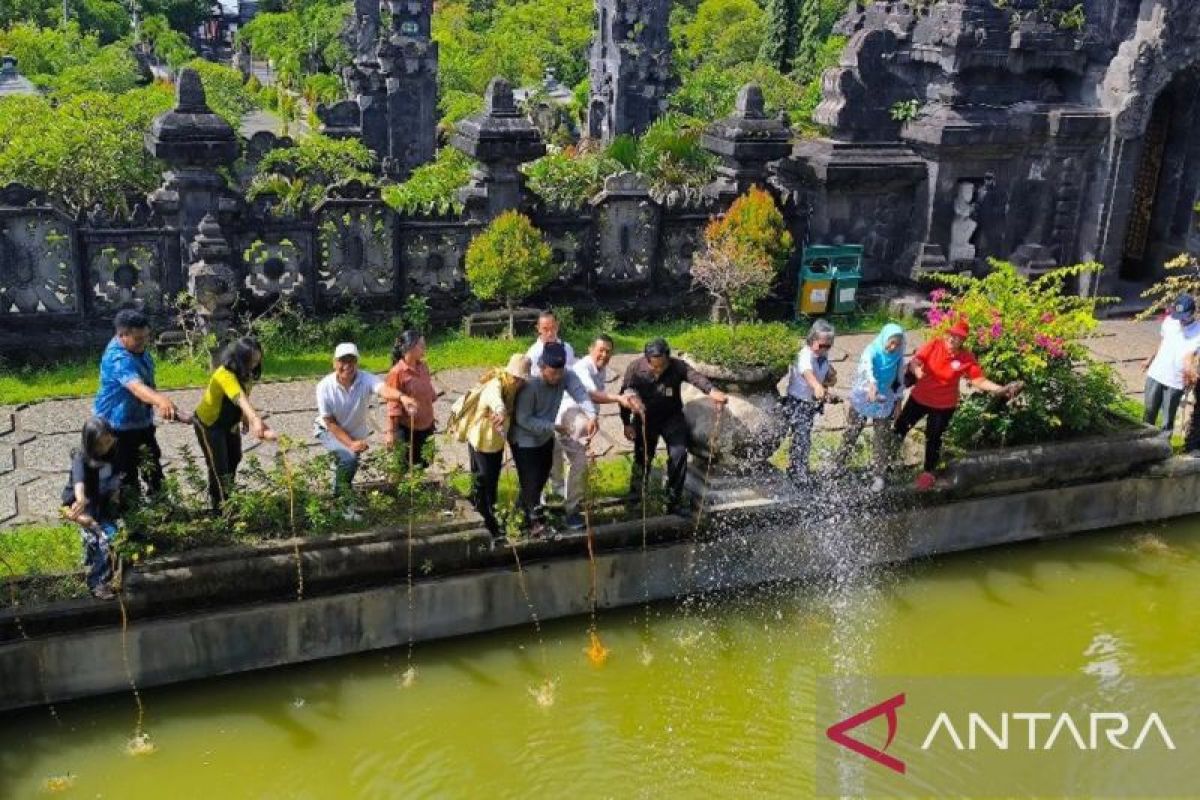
<point>211,281</point>
<point>630,67</point>
<point>274,269</point>
<point>433,261</point>
<point>127,275</point>
<point>627,226</point>
<point>356,249</point>
<point>36,258</point>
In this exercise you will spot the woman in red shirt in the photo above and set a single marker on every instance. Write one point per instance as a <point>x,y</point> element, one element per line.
<point>938,366</point>
<point>410,419</point>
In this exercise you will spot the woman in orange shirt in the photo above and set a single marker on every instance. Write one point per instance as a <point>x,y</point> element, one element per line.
<point>410,419</point>
<point>938,366</point>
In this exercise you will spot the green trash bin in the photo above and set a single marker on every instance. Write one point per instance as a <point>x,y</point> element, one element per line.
<point>847,274</point>
<point>829,278</point>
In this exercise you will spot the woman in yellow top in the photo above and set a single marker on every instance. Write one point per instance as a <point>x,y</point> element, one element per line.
<point>481,419</point>
<point>225,412</point>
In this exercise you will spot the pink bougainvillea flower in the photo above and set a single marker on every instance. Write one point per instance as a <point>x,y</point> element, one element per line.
<point>997,330</point>
<point>1047,317</point>
<point>937,295</point>
<point>936,316</point>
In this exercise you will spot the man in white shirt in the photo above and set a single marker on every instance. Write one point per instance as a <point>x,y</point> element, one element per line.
<point>547,331</point>
<point>592,372</point>
<point>343,401</point>
<point>1168,372</point>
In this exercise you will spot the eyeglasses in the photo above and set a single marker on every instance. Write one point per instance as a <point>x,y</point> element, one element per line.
<point>823,346</point>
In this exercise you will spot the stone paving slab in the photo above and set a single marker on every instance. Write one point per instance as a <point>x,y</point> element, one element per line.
<point>35,439</point>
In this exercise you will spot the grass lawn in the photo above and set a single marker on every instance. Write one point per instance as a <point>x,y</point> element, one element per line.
<point>447,350</point>
<point>39,550</point>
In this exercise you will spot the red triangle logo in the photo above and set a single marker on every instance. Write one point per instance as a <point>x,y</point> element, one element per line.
<point>837,732</point>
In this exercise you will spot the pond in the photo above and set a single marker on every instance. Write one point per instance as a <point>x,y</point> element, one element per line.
<point>715,697</point>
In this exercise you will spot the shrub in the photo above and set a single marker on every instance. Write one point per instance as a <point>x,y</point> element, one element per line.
<point>322,88</point>
<point>1183,278</point>
<point>743,252</point>
<point>168,44</point>
<point>301,174</point>
<point>226,93</point>
<point>432,188</point>
<point>1028,330</point>
<point>570,177</point>
<point>770,344</point>
<point>508,262</point>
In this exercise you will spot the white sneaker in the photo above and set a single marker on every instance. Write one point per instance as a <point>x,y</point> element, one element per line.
<point>877,485</point>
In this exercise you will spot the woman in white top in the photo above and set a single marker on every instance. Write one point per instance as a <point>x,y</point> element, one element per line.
<point>809,378</point>
<point>875,398</point>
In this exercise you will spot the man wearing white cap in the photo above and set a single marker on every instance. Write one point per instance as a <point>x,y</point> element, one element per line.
<point>343,400</point>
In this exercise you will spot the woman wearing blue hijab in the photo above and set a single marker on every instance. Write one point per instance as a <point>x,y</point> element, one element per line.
<point>875,398</point>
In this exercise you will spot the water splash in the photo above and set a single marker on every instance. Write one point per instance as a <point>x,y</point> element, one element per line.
<point>408,677</point>
<point>55,784</point>
<point>140,745</point>
<point>298,703</point>
<point>645,656</point>
<point>543,693</point>
<point>597,653</point>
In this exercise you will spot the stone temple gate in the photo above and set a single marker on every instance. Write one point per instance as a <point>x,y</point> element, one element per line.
<point>1040,131</point>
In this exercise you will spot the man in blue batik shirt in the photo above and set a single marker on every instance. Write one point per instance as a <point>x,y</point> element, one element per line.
<point>127,399</point>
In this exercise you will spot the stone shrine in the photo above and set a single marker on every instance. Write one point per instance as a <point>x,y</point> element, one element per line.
<point>630,73</point>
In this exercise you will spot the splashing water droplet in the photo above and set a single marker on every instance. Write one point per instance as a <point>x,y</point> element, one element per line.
<point>408,677</point>
<point>646,656</point>
<point>543,695</point>
<point>597,653</point>
<point>140,745</point>
<point>58,783</point>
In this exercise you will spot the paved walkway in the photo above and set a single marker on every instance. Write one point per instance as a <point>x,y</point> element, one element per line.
<point>36,439</point>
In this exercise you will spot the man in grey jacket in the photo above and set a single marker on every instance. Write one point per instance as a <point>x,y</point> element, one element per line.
<point>534,426</point>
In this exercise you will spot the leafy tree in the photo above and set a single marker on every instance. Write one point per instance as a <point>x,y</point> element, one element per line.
<point>305,40</point>
<point>779,40</point>
<point>508,262</point>
<point>113,70</point>
<point>299,175</point>
<point>167,43</point>
<point>724,32</point>
<point>808,38</point>
<point>432,187</point>
<point>570,177</point>
<point>743,252</point>
<point>182,15</point>
<point>226,93</point>
<point>87,150</point>
<point>44,53</point>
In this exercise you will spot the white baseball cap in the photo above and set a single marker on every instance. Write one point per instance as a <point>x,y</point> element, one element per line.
<point>346,349</point>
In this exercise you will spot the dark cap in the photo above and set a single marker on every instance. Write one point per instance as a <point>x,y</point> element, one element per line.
<point>1185,307</point>
<point>656,348</point>
<point>554,356</point>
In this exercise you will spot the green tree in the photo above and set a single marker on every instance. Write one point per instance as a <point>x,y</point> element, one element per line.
<point>779,39</point>
<point>226,93</point>
<point>113,70</point>
<point>725,32</point>
<point>508,262</point>
<point>808,39</point>
<point>299,175</point>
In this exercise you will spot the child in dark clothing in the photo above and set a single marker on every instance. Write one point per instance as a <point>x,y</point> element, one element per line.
<point>90,500</point>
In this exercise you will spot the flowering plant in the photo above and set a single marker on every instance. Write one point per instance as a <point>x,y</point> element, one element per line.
<point>1027,330</point>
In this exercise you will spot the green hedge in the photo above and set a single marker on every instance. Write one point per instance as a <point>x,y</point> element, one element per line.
<point>763,344</point>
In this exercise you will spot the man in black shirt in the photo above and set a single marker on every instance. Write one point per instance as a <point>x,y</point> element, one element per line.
<point>654,382</point>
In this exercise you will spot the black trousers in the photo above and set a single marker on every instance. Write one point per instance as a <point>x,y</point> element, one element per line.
<point>1191,436</point>
<point>533,470</point>
<point>222,452</point>
<point>137,457</point>
<point>485,485</point>
<point>935,428</point>
<point>414,440</point>
<point>673,430</point>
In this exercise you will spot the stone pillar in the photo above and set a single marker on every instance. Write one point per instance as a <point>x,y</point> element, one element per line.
<point>500,139</point>
<point>195,143</point>
<point>211,280</point>
<point>408,60</point>
<point>746,142</point>
<point>630,72</point>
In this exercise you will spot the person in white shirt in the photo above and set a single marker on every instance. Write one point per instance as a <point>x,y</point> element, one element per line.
<point>592,371</point>
<point>1168,372</point>
<point>809,379</point>
<point>343,401</point>
<point>547,331</point>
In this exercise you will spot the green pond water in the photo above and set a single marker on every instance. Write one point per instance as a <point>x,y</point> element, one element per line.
<point>724,706</point>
